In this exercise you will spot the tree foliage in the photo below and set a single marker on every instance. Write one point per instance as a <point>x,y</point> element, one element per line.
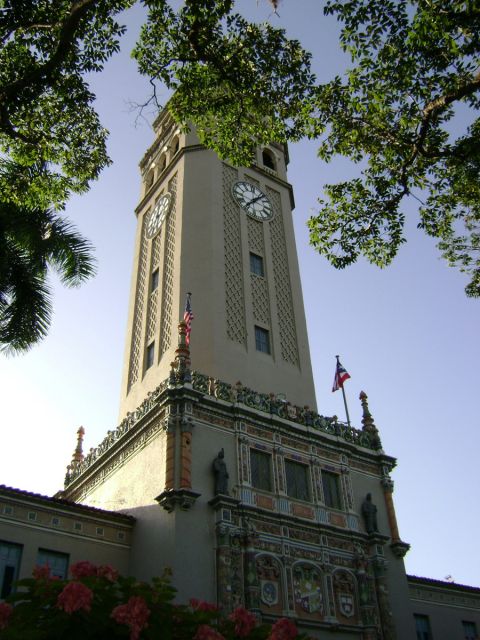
<point>241,84</point>
<point>400,110</point>
<point>52,144</point>
<point>403,110</point>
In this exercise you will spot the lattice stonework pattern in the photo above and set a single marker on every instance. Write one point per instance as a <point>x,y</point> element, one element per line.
<point>168,261</point>
<point>135,348</point>
<point>281,277</point>
<point>153,299</point>
<point>234,296</point>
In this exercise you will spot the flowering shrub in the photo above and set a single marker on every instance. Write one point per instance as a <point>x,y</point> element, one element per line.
<point>75,597</point>
<point>5,613</point>
<point>244,621</point>
<point>283,629</point>
<point>134,614</point>
<point>99,603</point>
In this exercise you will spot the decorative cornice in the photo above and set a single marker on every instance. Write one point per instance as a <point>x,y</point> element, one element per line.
<point>197,383</point>
<point>269,403</point>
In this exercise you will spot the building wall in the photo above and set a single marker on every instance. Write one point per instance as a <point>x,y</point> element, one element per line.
<point>37,523</point>
<point>446,606</point>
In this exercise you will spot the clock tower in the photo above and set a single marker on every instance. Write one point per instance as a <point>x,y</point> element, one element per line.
<point>225,234</point>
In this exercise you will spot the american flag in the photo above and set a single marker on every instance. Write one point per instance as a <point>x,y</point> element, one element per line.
<point>341,375</point>
<point>188,317</point>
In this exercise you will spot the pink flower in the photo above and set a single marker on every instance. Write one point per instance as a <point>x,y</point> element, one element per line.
<point>83,569</point>
<point>201,605</point>
<point>5,613</point>
<point>41,572</point>
<point>244,622</point>
<point>108,572</point>
<point>205,632</point>
<point>75,597</point>
<point>283,629</point>
<point>134,614</point>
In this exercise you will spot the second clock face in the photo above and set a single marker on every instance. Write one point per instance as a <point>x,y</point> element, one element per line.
<point>253,201</point>
<point>158,215</point>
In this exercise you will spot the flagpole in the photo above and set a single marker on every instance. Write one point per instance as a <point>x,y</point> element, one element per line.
<point>344,396</point>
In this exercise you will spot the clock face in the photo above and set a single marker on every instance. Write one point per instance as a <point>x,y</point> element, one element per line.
<point>253,201</point>
<point>158,215</point>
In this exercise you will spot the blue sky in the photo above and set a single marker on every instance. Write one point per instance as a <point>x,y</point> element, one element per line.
<point>407,334</point>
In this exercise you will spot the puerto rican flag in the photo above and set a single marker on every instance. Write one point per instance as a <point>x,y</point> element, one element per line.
<point>341,374</point>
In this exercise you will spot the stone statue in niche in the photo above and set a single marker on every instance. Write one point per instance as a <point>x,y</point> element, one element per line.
<point>369,513</point>
<point>220,472</point>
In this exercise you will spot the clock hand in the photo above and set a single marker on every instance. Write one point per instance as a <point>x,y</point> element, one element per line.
<point>255,200</point>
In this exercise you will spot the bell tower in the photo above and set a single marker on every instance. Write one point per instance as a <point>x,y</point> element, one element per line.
<point>225,234</point>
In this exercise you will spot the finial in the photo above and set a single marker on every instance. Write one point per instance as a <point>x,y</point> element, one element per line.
<point>367,421</point>
<point>78,453</point>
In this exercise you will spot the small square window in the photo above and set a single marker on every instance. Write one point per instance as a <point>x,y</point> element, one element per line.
<point>150,355</point>
<point>261,468</point>
<point>8,510</point>
<point>422,626</point>
<point>100,531</point>
<point>121,535</point>
<point>154,281</point>
<point>32,515</point>
<point>297,480</point>
<point>55,522</point>
<point>262,340</point>
<point>256,265</point>
<point>77,526</point>
<point>331,489</point>
<point>469,630</point>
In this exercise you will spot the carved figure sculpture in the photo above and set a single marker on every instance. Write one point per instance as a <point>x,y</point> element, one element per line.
<point>220,472</point>
<point>369,513</point>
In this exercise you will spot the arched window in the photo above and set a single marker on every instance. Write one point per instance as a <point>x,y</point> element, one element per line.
<point>175,145</point>
<point>268,159</point>
<point>149,179</point>
<point>162,163</point>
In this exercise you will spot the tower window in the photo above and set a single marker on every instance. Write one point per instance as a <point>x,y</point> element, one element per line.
<point>297,480</point>
<point>150,178</point>
<point>256,265</point>
<point>331,490</point>
<point>150,355</point>
<point>154,281</point>
<point>260,466</point>
<point>262,340</point>
<point>268,159</point>
<point>175,145</point>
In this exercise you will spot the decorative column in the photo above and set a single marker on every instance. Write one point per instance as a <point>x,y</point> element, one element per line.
<point>366,596</point>
<point>224,568</point>
<point>251,584</point>
<point>186,453</point>
<point>170,454</point>
<point>398,547</point>
<point>383,599</point>
<point>178,482</point>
